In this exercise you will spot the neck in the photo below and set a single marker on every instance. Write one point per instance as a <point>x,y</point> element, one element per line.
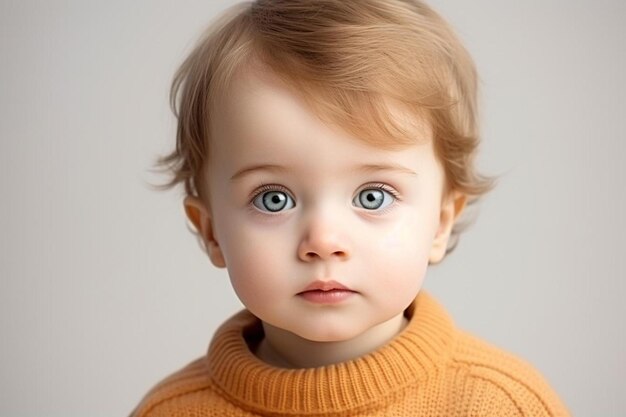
<point>285,349</point>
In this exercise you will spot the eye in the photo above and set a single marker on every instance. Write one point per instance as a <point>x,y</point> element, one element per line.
<point>376,197</point>
<point>272,199</point>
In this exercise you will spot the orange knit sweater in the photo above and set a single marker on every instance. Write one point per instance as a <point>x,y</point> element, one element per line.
<point>430,369</point>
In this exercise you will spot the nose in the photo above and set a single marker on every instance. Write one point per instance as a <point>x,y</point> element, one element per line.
<point>323,239</point>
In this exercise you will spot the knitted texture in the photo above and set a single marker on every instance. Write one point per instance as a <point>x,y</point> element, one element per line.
<point>430,369</point>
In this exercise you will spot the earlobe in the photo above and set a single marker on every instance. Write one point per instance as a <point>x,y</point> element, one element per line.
<point>451,209</point>
<point>200,217</point>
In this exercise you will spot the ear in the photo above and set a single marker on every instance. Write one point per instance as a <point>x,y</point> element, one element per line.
<point>199,215</point>
<point>451,209</point>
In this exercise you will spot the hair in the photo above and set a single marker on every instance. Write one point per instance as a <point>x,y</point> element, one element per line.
<point>347,59</point>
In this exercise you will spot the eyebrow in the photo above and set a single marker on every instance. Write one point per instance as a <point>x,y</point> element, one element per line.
<point>365,168</point>
<point>368,168</point>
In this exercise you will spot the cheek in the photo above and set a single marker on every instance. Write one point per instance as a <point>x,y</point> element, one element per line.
<point>399,237</point>
<point>409,236</point>
<point>255,262</point>
<point>402,252</point>
<point>252,277</point>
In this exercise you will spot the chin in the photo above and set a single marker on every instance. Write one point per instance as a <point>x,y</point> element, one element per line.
<point>328,335</point>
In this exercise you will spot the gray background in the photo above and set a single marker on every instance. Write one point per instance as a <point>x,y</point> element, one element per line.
<point>103,290</point>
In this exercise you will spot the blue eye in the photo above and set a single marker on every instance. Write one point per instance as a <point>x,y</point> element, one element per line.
<point>272,200</point>
<point>374,198</point>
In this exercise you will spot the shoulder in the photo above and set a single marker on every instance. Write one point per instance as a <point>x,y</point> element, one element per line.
<point>498,383</point>
<point>181,393</point>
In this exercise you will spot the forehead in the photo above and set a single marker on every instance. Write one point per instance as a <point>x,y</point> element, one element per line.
<point>255,102</point>
<point>255,94</point>
<point>260,117</point>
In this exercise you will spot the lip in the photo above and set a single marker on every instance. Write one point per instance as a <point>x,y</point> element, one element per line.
<point>326,292</point>
<point>319,285</point>
<point>327,297</point>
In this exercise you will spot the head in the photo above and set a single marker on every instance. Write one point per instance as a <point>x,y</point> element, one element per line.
<point>363,114</point>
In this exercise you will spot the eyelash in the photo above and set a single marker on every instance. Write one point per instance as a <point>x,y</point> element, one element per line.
<point>269,187</point>
<point>378,185</point>
<point>390,190</point>
<point>385,187</point>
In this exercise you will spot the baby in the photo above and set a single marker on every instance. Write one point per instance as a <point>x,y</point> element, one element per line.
<point>327,151</point>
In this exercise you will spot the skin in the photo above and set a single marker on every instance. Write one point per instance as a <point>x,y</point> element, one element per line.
<point>319,229</point>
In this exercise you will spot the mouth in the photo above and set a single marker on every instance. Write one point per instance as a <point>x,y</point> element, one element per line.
<point>326,292</point>
<point>325,286</point>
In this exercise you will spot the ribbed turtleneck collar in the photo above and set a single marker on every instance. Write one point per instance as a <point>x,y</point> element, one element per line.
<point>422,347</point>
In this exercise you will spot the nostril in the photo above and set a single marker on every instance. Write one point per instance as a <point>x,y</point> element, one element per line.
<point>322,253</point>
<point>310,255</point>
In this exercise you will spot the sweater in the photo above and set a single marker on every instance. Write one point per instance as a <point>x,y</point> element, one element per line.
<point>431,368</point>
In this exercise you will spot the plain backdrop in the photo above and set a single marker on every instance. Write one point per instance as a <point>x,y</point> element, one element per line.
<point>104,291</point>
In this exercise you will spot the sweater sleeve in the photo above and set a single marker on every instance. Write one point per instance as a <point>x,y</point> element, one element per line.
<point>497,383</point>
<point>495,394</point>
<point>170,396</point>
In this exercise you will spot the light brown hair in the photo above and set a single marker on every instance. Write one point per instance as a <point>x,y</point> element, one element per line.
<point>346,59</point>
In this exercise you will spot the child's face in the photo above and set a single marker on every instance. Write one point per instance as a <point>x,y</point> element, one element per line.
<point>319,216</point>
